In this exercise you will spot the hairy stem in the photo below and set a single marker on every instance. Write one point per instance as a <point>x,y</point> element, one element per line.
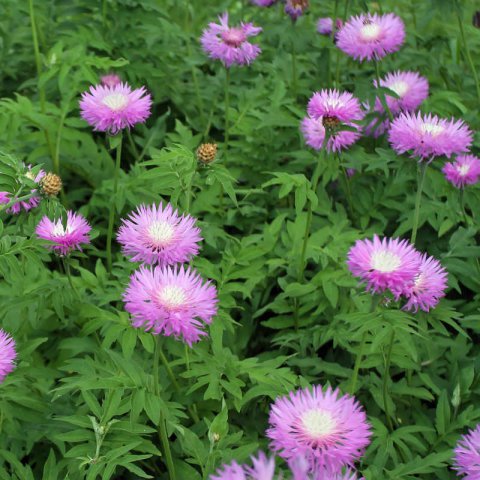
<point>422,169</point>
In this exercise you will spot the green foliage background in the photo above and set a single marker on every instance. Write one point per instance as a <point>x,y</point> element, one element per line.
<point>81,402</point>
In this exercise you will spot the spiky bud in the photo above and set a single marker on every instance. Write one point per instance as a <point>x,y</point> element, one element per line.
<point>207,152</point>
<point>51,184</point>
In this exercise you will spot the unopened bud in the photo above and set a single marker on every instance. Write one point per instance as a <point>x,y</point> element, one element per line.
<point>51,184</point>
<point>207,152</point>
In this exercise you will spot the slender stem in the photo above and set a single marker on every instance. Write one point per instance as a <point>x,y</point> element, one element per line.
<point>467,50</point>
<point>111,217</point>
<point>385,104</point>
<point>358,360</point>
<point>335,14</point>
<point>422,169</point>
<point>294,69</point>
<point>337,69</point>
<point>347,187</point>
<point>66,265</point>
<point>462,206</point>
<point>227,108</point>
<point>345,12</point>
<point>132,145</point>
<point>162,429</point>
<point>386,378</point>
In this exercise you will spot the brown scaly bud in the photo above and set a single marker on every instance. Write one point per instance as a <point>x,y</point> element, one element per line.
<point>330,122</point>
<point>51,184</point>
<point>207,152</point>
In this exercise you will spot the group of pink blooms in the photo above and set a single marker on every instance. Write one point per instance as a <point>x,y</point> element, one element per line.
<point>318,431</point>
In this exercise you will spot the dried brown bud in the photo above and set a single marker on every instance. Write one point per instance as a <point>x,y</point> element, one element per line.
<point>330,122</point>
<point>207,152</point>
<point>51,184</point>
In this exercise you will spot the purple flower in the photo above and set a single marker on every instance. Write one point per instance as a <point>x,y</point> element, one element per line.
<point>465,170</point>
<point>159,235</point>
<point>325,25</point>
<point>229,44</point>
<point>264,3</point>
<point>263,469</point>
<point>327,429</point>
<point>295,8</point>
<point>302,470</point>
<point>7,355</point>
<point>171,301</point>
<point>110,80</point>
<point>467,455</point>
<point>64,237</point>
<point>330,109</point>
<point>371,37</point>
<point>384,264</point>
<point>428,287</point>
<point>429,136</point>
<point>111,109</point>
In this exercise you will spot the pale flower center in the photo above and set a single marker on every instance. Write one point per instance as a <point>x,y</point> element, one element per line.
<point>400,88</point>
<point>370,31</point>
<point>318,423</point>
<point>463,169</point>
<point>115,101</point>
<point>419,282</point>
<point>385,262</point>
<point>59,230</point>
<point>234,37</point>
<point>432,129</point>
<point>172,296</point>
<point>161,233</point>
<point>30,176</point>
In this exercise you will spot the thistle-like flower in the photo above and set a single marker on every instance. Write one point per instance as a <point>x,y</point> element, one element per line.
<point>263,468</point>
<point>110,80</point>
<point>296,8</point>
<point>7,354</point>
<point>465,170</point>
<point>467,455</point>
<point>230,45</point>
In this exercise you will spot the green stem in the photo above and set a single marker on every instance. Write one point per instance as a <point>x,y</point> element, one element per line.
<point>337,69</point>
<point>422,169</point>
<point>347,187</point>
<point>358,360</point>
<point>462,206</point>
<point>227,108</point>
<point>335,13</point>
<point>162,429</point>
<point>386,378</point>
<point>132,145</point>
<point>111,217</point>
<point>345,12</point>
<point>381,94</point>
<point>66,265</point>
<point>467,49</point>
<point>294,69</point>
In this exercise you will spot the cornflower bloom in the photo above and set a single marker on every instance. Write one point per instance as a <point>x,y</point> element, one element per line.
<point>7,354</point>
<point>110,80</point>
<point>467,455</point>
<point>295,8</point>
<point>263,468</point>
<point>465,170</point>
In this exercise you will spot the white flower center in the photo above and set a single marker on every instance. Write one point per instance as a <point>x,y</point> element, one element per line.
<point>431,128</point>
<point>161,233</point>
<point>59,230</point>
<point>318,423</point>
<point>172,296</point>
<point>370,31</point>
<point>115,101</point>
<point>419,282</point>
<point>463,169</point>
<point>385,262</point>
<point>400,88</point>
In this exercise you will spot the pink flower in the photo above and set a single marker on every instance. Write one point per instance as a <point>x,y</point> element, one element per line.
<point>295,8</point>
<point>159,235</point>
<point>429,136</point>
<point>7,354</point>
<point>464,171</point>
<point>264,3</point>
<point>171,301</point>
<point>263,469</point>
<point>229,44</point>
<point>302,470</point>
<point>325,25</point>
<point>111,109</point>
<point>384,264</point>
<point>64,237</point>
<point>467,455</point>
<point>25,205</point>
<point>110,80</point>
<point>328,430</point>
<point>411,87</point>
<point>330,109</point>
<point>429,285</point>
<point>371,37</point>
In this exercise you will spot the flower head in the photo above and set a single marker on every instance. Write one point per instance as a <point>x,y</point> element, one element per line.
<point>295,8</point>
<point>384,264</point>
<point>110,80</point>
<point>411,87</point>
<point>465,170</point>
<point>263,468</point>
<point>325,25</point>
<point>160,235</point>
<point>171,301</point>
<point>264,3</point>
<point>371,37</point>
<point>327,429</point>
<point>302,470</point>
<point>467,455</point>
<point>429,136</point>
<point>428,287</point>
<point>7,354</point>
<point>65,237</point>
<point>329,110</point>
<point>230,44</point>
<point>28,204</point>
<point>113,108</point>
